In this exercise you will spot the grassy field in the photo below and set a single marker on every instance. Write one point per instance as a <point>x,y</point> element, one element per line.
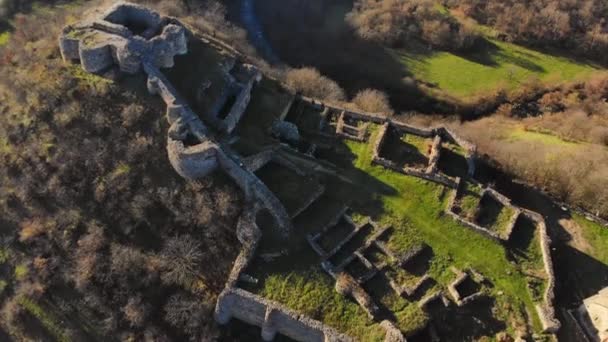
<point>312,293</point>
<point>596,236</point>
<point>414,208</point>
<point>521,134</point>
<point>499,65</point>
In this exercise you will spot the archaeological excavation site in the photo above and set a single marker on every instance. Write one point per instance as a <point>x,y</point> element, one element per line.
<point>353,225</point>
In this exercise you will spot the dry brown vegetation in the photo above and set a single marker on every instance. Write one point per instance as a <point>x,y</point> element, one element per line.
<point>398,23</point>
<point>572,170</point>
<point>372,100</point>
<point>554,140</point>
<point>92,216</point>
<point>578,24</point>
<point>310,82</point>
<point>574,175</point>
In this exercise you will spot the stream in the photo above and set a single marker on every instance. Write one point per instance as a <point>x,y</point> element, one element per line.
<point>255,31</point>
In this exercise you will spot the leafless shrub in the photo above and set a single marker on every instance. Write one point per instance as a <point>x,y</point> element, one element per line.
<point>132,114</point>
<point>185,312</point>
<point>182,259</point>
<point>87,255</point>
<point>136,311</point>
<point>372,100</point>
<point>310,82</point>
<point>31,229</point>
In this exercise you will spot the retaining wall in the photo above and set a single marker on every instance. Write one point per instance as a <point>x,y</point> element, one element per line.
<point>272,317</point>
<point>546,311</point>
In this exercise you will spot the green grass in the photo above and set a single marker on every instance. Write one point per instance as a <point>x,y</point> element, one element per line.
<point>469,201</point>
<point>121,169</point>
<point>21,271</point>
<point>312,293</point>
<point>420,143</point>
<point>521,134</point>
<point>416,201</point>
<point>415,209</point>
<point>597,237</point>
<point>506,66</point>
<point>4,37</point>
<point>503,219</point>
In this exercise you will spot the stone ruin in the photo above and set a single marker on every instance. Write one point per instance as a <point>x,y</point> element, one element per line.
<point>486,193</point>
<point>126,35</point>
<point>591,317</point>
<point>133,39</point>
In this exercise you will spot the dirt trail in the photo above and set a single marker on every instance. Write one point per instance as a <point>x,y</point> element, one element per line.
<point>575,231</point>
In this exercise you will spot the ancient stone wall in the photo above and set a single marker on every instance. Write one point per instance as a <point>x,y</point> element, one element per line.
<point>450,211</point>
<point>546,311</point>
<point>241,103</point>
<point>434,155</point>
<point>108,41</point>
<point>506,202</point>
<point>377,159</point>
<point>272,317</point>
<point>470,148</point>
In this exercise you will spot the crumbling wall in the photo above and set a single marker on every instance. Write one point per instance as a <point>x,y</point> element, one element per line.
<point>470,148</point>
<point>506,202</point>
<point>242,101</point>
<point>546,311</point>
<point>272,317</point>
<point>424,174</point>
<point>450,211</point>
<point>101,43</point>
<point>434,155</point>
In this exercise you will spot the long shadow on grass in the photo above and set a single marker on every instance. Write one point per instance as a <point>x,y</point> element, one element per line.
<point>487,53</point>
<point>578,275</point>
<point>467,323</point>
<point>348,187</point>
<point>314,33</point>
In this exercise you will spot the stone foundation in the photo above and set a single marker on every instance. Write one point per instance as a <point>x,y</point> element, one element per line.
<point>272,317</point>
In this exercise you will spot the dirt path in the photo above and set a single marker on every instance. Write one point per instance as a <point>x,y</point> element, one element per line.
<point>576,235</point>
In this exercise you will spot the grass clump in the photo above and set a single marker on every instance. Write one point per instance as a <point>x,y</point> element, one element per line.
<point>597,237</point>
<point>21,271</point>
<point>503,219</point>
<point>469,201</point>
<point>4,37</point>
<point>303,291</point>
<point>420,143</point>
<point>545,138</point>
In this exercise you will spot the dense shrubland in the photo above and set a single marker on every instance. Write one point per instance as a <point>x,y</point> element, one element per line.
<point>578,24</point>
<point>95,225</point>
<point>399,23</point>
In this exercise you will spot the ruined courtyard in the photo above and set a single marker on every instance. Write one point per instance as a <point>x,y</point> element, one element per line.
<point>355,226</point>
